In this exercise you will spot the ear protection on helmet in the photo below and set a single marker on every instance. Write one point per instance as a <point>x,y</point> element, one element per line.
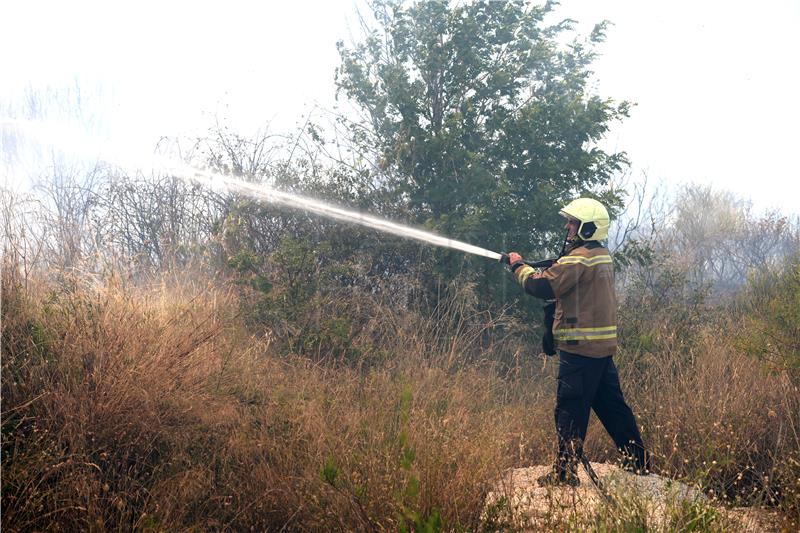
<point>587,230</point>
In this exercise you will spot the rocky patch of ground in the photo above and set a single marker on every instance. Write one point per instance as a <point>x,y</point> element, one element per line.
<point>645,503</point>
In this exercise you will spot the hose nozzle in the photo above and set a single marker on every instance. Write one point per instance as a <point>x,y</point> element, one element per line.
<point>504,259</point>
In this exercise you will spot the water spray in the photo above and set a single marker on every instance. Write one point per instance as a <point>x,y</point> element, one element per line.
<point>271,195</point>
<point>268,194</point>
<point>214,180</point>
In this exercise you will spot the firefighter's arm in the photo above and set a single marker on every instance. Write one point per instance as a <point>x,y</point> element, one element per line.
<point>532,281</point>
<point>562,277</point>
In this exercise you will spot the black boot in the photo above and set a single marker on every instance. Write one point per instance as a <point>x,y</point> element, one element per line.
<point>564,473</point>
<point>636,460</point>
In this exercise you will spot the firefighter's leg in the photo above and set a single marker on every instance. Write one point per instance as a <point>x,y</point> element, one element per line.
<point>618,419</point>
<point>576,387</point>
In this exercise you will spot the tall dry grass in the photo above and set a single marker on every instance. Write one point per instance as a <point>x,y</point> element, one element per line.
<point>150,406</point>
<point>720,418</point>
<point>102,386</point>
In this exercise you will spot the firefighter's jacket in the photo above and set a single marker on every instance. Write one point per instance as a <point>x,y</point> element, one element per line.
<point>582,282</point>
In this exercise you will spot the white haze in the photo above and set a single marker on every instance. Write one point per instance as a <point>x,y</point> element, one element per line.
<point>59,138</point>
<point>715,83</point>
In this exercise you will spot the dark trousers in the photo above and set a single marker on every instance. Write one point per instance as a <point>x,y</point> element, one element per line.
<point>586,383</point>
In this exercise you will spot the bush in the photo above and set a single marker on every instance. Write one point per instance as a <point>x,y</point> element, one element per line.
<point>770,309</point>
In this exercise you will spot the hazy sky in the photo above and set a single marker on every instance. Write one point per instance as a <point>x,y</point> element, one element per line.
<point>715,82</point>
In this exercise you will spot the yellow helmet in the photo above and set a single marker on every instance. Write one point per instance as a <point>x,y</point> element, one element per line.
<point>592,215</point>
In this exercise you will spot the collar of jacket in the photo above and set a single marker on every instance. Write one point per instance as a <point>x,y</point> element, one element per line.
<point>577,243</point>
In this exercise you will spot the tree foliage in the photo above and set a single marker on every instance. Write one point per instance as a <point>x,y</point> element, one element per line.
<point>481,122</point>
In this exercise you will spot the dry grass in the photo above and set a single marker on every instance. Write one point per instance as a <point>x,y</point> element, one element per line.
<point>722,418</point>
<point>151,407</point>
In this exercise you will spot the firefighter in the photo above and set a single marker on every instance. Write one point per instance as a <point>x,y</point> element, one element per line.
<point>584,327</point>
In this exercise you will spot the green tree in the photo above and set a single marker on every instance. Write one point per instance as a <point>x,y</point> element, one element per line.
<point>480,122</point>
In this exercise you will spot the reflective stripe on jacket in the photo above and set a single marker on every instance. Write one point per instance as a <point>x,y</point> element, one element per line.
<point>583,284</point>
